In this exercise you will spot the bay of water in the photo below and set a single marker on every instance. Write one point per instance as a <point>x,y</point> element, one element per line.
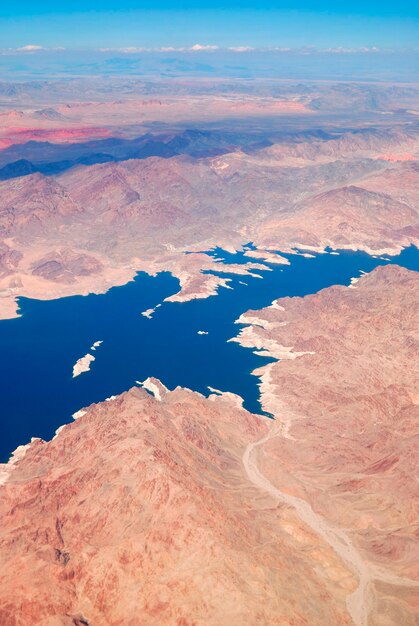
<point>38,349</point>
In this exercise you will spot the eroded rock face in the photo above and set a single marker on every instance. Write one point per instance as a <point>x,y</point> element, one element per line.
<point>9,259</point>
<point>66,265</point>
<point>143,214</point>
<point>347,413</point>
<point>30,205</point>
<point>346,215</point>
<point>177,509</point>
<point>141,512</point>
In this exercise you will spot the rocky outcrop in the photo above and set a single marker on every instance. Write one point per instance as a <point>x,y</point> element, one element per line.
<point>345,398</point>
<point>141,512</point>
<point>66,265</point>
<point>165,507</point>
<point>346,217</point>
<point>202,188</point>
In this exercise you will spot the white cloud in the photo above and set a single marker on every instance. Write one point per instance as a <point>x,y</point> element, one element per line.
<point>343,50</point>
<point>170,49</point>
<point>198,47</point>
<point>307,50</point>
<point>135,50</point>
<point>131,50</point>
<point>127,50</point>
<point>30,48</point>
<point>240,48</point>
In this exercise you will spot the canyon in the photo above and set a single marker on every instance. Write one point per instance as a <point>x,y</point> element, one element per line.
<point>171,507</point>
<point>93,226</point>
<point>196,501</point>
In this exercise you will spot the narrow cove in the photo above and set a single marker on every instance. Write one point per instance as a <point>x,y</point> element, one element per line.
<point>183,344</point>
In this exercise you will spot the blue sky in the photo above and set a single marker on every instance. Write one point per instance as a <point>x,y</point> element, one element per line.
<point>408,8</point>
<point>155,23</point>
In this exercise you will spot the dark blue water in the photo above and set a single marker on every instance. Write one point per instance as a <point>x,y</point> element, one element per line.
<point>39,349</point>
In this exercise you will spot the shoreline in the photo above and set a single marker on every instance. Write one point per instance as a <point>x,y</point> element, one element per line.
<point>207,285</point>
<point>247,338</point>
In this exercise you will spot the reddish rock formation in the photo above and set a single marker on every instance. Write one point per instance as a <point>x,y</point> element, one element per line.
<point>344,217</point>
<point>230,184</point>
<point>177,509</point>
<point>141,512</point>
<point>144,214</point>
<point>66,265</point>
<point>345,395</point>
<point>33,206</point>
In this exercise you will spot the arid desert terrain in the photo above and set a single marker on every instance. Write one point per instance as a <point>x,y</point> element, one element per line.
<point>166,507</point>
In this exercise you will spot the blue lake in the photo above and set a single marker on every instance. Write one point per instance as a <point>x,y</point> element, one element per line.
<point>39,349</point>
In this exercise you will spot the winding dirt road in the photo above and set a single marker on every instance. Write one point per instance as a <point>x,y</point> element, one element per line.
<point>359,602</point>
